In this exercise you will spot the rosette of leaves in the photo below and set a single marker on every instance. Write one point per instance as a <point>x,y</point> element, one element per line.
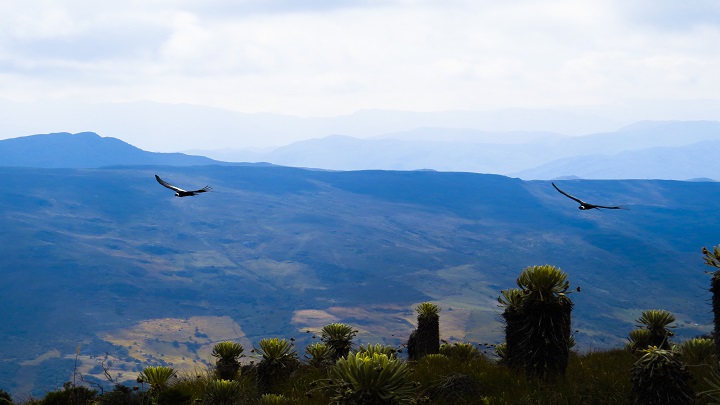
<point>363,379</point>
<point>157,376</point>
<point>319,355</point>
<point>426,338</point>
<point>369,349</point>
<point>639,339</point>
<point>279,359</point>
<point>657,322</point>
<point>501,351</point>
<point>222,392</point>
<point>697,351</point>
<point>544,321</point>
<point>275,399</point>
<point>659,377</point>
<point>339,337</point>
<point>228,356</point>
<point>461,351</point>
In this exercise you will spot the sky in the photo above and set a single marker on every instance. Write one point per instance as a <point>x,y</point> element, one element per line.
<point>323,58</point>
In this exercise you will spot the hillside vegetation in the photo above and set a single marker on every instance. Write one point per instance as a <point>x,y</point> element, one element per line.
<point>108,260</point>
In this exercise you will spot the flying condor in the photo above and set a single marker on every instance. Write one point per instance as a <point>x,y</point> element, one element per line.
<point>180,192</point>
<point>584,205</point>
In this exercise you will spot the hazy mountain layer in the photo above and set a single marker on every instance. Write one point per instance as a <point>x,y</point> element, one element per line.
<point>109,260</point>
<point>642,150</point>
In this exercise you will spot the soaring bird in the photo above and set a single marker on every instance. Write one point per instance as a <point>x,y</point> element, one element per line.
<point>583,204</point>
<point>180,192</point>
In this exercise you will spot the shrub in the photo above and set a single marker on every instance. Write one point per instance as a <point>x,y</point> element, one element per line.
<point>426,338</point>
<point>157,376</point>
<point>464,351</point>
<point>228,355</point>
<point>339,337</point>
<point>369,349</point>
<point>697,351</point>
<point>5,398</point>
<point>69,395</point>
<point>222,392</point>
<point>319,355</point>
<point>275,399</point>
<point>544,321</point>
<point>364,379</point>
<point>279,359</point>
<point>658,377</point>
<point>658,321</point>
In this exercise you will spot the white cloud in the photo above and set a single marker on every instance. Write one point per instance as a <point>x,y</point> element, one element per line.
<point>330,57</point>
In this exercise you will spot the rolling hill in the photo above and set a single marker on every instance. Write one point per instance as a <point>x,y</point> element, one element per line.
<point>108,260</point>
<point>85,150</point>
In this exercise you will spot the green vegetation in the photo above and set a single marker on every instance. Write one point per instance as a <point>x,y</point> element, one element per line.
<point>228,355</point>
<point>365,378</point>
<point>426,338</point>
<point>659,377</point>
<point>319,355</point>
<point>339,337</point>
<point>279,360</point>
<point>537,322</point>
<point>713,259</point>
<point>650,370</point>
<point>657,323</point>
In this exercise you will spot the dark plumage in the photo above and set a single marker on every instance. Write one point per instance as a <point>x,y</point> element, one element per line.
<point>180,192</point>
<point>583,204</point>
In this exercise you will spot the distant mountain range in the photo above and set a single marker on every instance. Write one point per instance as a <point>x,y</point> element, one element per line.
<point>651,150</point>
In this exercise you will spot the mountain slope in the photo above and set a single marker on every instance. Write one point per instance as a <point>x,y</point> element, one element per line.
<point>678,163</point>
<point>110,259</point>
<point>84,150</point>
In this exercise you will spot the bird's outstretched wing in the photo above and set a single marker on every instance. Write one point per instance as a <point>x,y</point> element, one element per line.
<point>202,190</point>
<point>609,208</point>
<point>568,195</point>
<point>171,187</point>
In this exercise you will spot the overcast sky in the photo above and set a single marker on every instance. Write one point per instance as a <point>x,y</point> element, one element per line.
<point>329,57</point>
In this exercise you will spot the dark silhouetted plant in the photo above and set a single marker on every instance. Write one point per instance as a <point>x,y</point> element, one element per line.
<point>222,392</point>
<point>426,338</point>
<point>465,351</point>
<point>339,337</point>
<point>545,311</point>
<point>69,395</point>
<point>5,398</point>
<point>510,353</point>
<point>659,377</point>
<point>172,396</point>
<point>713,259</point>
<point>657,322</point>
<point>279,359</point>
<point>228,355</point>
<point>362,379</point>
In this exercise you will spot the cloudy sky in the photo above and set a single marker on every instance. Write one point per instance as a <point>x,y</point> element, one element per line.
<point>331,57</point>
